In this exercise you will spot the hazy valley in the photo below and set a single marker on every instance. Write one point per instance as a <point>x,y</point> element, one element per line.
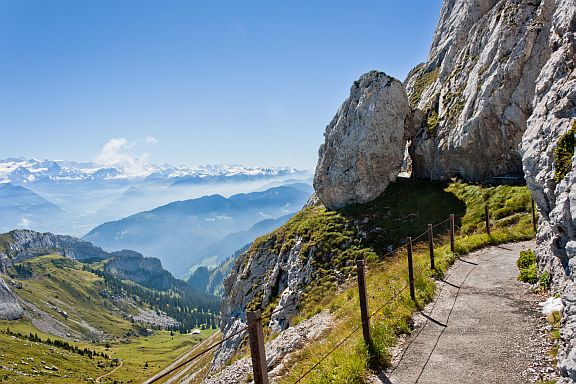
<point>384,266</point>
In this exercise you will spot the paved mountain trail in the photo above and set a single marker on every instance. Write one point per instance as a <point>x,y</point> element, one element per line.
<point>483,327</point>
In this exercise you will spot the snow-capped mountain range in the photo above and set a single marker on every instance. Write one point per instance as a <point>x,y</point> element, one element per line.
<point>22,171</point>
<point>71,197</point>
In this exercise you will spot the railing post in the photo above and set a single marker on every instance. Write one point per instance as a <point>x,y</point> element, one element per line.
<point>452,232</point>
<point>360,264</point>
<point>534,216</point>
<point>487,215</point>
<point>257,349</point>
<point>431,246</point>
<point>411,270</point>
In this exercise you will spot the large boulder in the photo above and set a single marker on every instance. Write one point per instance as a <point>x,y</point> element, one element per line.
<point>365,142</point>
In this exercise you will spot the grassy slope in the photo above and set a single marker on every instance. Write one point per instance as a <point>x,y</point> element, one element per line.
<point>339,237</point>
<point>65,284</point>
<point>14,351</point>
<point>157,351</point>
<point>61,282</point>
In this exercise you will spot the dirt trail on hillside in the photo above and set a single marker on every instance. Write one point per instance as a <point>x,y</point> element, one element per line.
<point>483,327</point>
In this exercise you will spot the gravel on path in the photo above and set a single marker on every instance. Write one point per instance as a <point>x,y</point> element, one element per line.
<point>483,327</point>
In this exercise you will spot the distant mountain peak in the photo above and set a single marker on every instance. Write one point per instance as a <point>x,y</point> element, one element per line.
<point>21,171</point>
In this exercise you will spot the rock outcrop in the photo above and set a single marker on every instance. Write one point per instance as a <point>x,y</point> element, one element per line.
<point>257,277</point>
<point>21,245</point>
<point>10,308</point>
<point>474,94</point>
<point>553,117</point>
<point>278,351</point>
<point>26,244</point>
<point>364,144</point>
<point>146,271</point>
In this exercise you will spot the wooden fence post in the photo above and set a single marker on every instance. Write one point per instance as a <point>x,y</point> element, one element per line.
<point>411,270</point>
<point>431,246</point>
<point>257,350</point>
<point>534,216</point>
<point>452,232</point>
<point>487,216</point>
<point>360,264</point>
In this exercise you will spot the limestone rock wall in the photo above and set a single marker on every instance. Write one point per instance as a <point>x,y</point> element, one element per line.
<point>553,116</point>
<point>146,271</point>
<point>474,94</point>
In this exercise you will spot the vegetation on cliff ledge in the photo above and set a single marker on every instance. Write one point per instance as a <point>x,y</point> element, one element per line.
<point>564,153</point>
<point>423,81</point>
<point>376,231</point>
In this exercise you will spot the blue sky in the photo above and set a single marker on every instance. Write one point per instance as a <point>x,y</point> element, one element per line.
<point>193,82</point>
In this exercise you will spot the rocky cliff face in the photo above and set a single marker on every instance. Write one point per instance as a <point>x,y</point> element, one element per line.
<point>364,143</point>
<point>553,120</point>
<point>474,94</point>
<point>258,277</point>
<point>146,271</point>
<point>26,244</point>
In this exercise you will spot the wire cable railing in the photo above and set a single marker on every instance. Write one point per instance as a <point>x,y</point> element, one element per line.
<point>277,310</point>
<point>210,348</point>
<point>417,275</point>
<point>350,334</point>
<point>195,357</point>
<point>410,284</point>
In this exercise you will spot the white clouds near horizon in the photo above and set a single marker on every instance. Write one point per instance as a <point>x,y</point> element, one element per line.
<point>120,152</point>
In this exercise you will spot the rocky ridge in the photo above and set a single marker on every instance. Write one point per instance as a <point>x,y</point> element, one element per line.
<point>146,271</point>
<point>21,245</point>
<point>27,244</point>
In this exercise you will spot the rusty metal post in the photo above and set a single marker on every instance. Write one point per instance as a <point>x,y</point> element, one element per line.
<point>534,215</point>
<point>452,232</point>
<point>411,270</point>
<point>431,246</point>
<point>487,217</point>
<point>360,264</point>
<point>257,351</point>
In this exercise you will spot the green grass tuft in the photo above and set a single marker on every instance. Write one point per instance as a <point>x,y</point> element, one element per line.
<point>564,153</point>
<point>527,265</point>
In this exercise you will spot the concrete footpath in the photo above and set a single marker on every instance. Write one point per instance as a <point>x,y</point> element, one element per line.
<point>483,327</point>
